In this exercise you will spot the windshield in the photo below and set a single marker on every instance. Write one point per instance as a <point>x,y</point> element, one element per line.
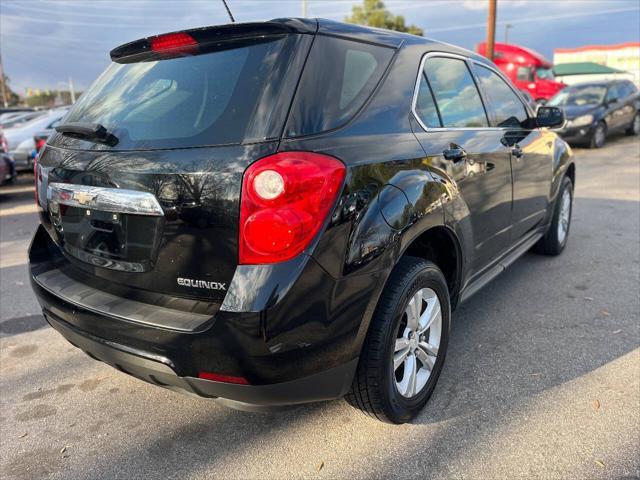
<point>224,97</point>
<point>545,73</point>
<point>577,97</point>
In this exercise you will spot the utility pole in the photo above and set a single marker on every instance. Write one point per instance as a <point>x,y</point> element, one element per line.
<point>72,92</point>
<point>507,26</point>
<point>3,87</point>
<point>491,29</point>
<point>304,8</point>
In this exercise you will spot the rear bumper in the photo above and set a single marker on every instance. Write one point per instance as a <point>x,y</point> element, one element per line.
<point>300,349</point>
<point>159,370</point>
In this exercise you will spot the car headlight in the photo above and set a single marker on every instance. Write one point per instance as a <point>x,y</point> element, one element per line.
<point>581,121</point>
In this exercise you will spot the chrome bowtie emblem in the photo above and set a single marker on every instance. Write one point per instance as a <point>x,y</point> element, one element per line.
<point>83,198</point>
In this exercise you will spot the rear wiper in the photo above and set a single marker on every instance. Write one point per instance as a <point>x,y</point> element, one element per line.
<point>88,131</point>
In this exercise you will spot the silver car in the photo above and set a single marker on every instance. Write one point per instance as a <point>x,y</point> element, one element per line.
<point>20,139</point>
<point>17,119</point>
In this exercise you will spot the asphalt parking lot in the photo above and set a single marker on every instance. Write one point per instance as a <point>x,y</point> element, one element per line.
<point>542,377</point>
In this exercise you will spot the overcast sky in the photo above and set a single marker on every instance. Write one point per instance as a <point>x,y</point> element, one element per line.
<point>43,42</point>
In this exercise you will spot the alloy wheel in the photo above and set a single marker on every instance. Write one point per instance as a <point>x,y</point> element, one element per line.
<point>417,344</point>
<point>564,216</point>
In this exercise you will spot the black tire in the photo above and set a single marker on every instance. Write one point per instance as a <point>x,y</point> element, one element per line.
<point>597,140</point>
<point>634,128</point>
<point>374,389</point>
<point>550,244</point>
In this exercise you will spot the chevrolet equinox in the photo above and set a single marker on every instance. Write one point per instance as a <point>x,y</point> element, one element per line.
<point>284,212</point>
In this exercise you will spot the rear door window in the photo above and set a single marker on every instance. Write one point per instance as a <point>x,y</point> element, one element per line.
<point>455,92</point>
<point>627,89</point>
<point>507,109</point>
<point>614,93</point>
<point>425,105</point>
<point>338,78</point>
<point>227,96</point>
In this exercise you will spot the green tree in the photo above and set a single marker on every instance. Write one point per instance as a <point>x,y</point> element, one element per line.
<point>373,13</point>
<point>12,98</point>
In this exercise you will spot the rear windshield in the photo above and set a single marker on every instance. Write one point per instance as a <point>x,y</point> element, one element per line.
<point>338,78</point>
<point>229,96</point>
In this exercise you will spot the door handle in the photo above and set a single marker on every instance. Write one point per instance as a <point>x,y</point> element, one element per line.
<point>454,153</point>
<point>516,151</point>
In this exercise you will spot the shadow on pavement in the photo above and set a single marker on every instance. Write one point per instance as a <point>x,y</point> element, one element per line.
<point>18,325</point>
<point>543,323</point>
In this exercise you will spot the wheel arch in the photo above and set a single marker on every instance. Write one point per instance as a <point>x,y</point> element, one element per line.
<point>571,173</point>
<point>421,244</point>
<point>563,164</point>
<point>440,245</point>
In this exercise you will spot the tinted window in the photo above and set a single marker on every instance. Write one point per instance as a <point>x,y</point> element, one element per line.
<point>545,73</point>
<point>507,108</point>
<point>627,89</point>
<point>525,74</point>
<point>223,97</point>
<point>425,106</point>
<point>455,93</point>
<point>614,92</point>
<point>338,78</point>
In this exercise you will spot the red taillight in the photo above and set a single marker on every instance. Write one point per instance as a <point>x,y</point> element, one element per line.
<point>285,200</point>
<point>40,143</point>
<point>216,377</point>
<point>174,43</point>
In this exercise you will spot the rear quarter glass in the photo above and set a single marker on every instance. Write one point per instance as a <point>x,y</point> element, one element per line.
<point>237,93</point>
<point>338,78</point>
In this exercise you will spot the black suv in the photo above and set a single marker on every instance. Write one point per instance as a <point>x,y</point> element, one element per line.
<point>284,212</point>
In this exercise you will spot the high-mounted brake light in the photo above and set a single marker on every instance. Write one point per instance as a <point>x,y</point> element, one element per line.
<point>174,43</point>
<point>286,198</point>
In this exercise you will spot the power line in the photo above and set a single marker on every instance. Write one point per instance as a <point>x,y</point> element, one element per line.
<point>143,16</point>
<point>532,19</point>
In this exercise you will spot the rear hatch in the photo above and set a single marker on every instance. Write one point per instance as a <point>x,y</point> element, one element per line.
<point>155,207</point>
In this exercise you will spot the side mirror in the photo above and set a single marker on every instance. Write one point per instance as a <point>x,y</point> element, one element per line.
<point>550,117</point>
<point>611,101</point>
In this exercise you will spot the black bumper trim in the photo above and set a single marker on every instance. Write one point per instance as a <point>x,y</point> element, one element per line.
<point>158,370</point>
<point>103,303</point>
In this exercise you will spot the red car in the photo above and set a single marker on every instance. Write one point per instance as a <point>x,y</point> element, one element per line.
<point>528,70</point>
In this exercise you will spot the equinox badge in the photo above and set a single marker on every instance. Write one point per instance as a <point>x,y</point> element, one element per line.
<point>190,282</point>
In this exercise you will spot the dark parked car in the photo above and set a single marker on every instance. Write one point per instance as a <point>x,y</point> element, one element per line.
<point>356,186</point>
<point>594,110</point>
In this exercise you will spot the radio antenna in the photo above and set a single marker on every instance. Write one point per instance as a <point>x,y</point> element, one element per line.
<point>233,20</point>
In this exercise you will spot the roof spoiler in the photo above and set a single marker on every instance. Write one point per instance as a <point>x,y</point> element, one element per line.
<point>199,40</point>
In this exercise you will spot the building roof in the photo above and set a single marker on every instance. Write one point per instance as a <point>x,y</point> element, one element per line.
<point>583,68</point>
<point>616,46</point>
